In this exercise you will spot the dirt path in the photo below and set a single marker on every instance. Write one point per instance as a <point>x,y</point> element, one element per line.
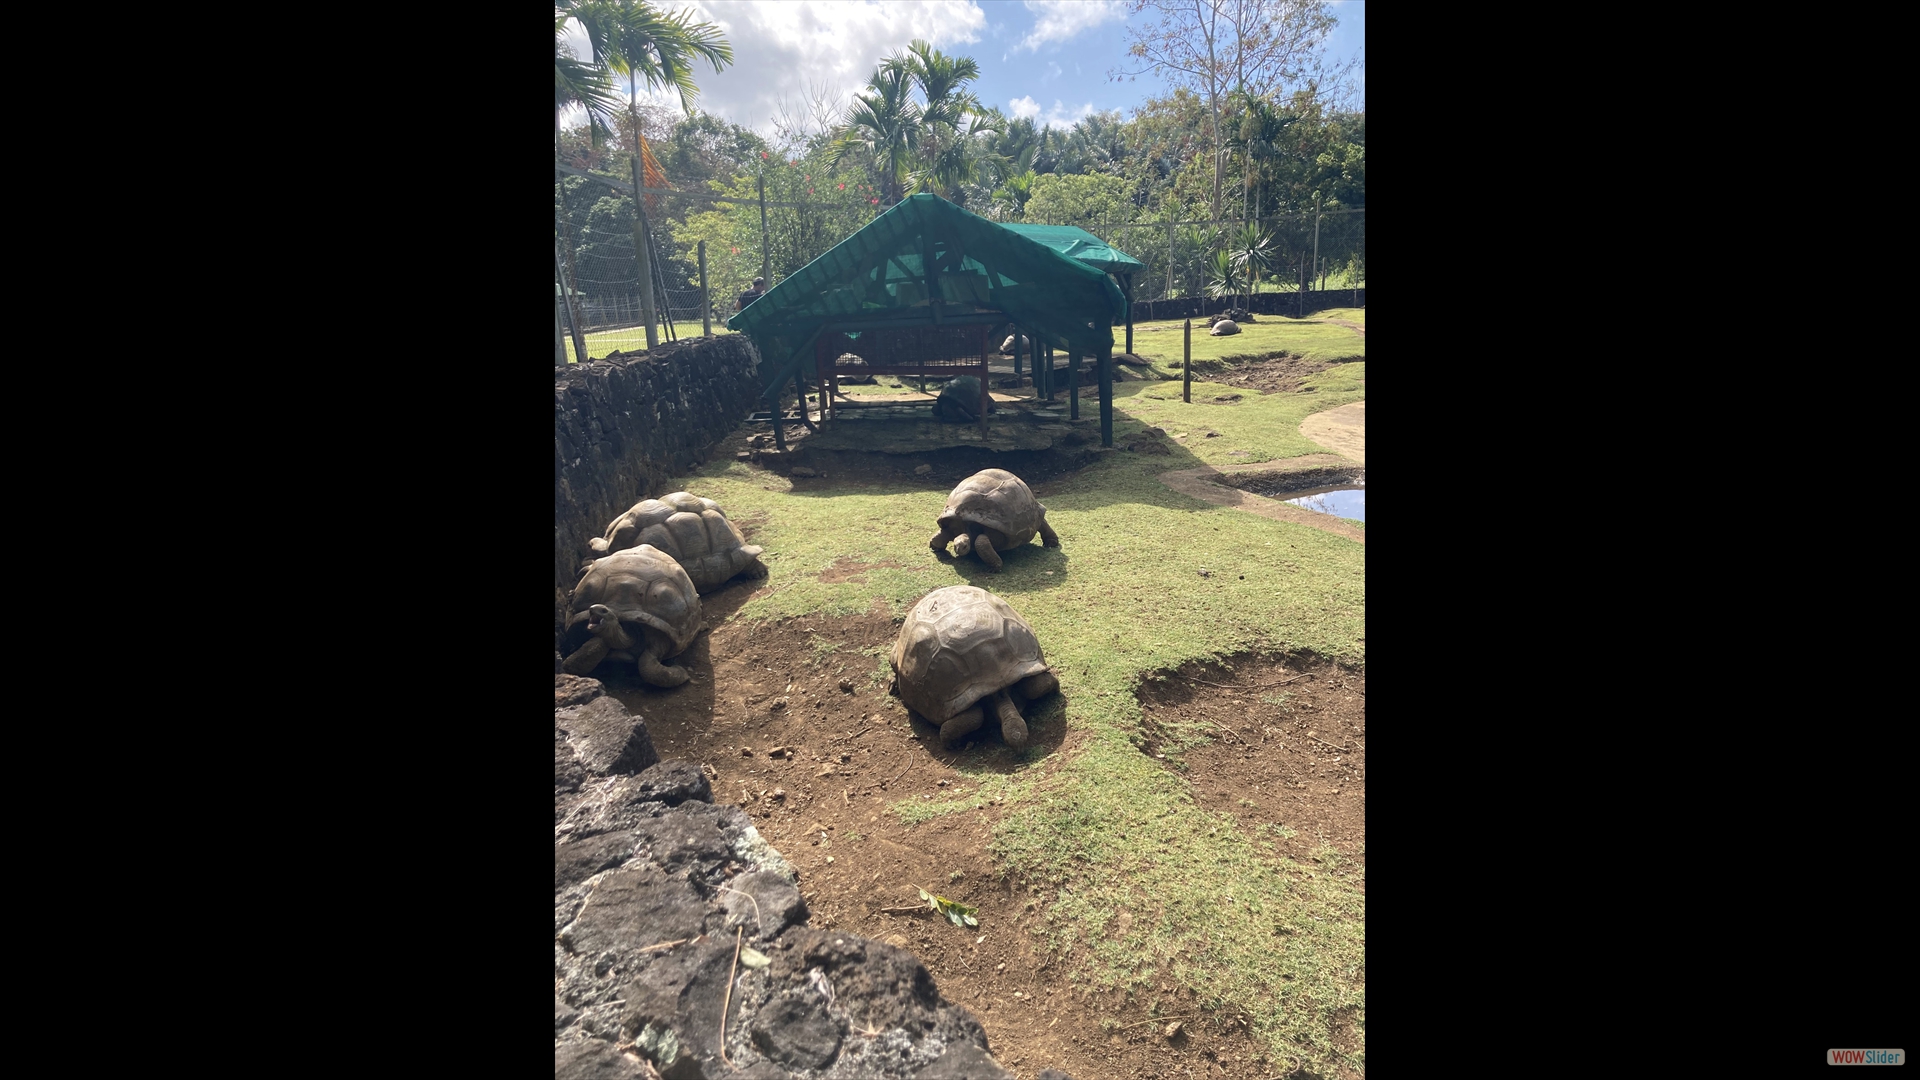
<point>1355,327</point>
<point>1342,430</point>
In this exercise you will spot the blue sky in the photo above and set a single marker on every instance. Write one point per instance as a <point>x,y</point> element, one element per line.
<point>1048,59</point>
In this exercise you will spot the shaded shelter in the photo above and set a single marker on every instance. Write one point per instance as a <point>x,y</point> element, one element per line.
<point>1082,246</point>
<point>920,289</point>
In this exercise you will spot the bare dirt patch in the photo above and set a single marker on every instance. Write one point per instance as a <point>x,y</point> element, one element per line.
<point>1289,749</point>
<point>1286,485</point>
<point>1342,430</point>
<point>1281,374</point>
<point>814,690</point>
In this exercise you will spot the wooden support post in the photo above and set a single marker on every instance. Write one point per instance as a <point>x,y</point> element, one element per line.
<point>1106,395</point>
<point>1129,313</point>
<point>706,300</point>
<point>1073,385</point>
<point>1016,357</point>
<point>779,428</point>
<point>1186,366</point>
<point>986,392</point>
<point>800,391</point>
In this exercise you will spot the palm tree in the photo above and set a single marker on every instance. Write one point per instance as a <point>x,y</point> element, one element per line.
<point>1223,275</point>
<point>644,44</point>
<point>945,160</point>
<point>1014,193</point>
<point>1252,252</point>
<point>1257,137</point>
<point>661,49</point>
<point>885,123</point>
<point>580,82</point>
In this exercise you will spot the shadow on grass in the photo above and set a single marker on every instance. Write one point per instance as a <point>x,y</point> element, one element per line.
<point>1027,568</point>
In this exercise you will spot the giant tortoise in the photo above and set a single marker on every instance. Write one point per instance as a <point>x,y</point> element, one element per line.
<point>959,402</point>
<point>960,650</point>
<point>636,605</point>
<point>990,512</point>
<point>695,531</point>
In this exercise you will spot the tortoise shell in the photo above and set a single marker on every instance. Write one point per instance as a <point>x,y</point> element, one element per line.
<point>958,645</point>
<point>693,530</point>
<point>998,500</point>
<point>645,587</point>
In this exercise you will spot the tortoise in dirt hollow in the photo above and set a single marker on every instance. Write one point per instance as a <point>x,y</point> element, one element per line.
<point>636,605</point>
<point>959,653</point>
<point>695,531</point>
<point>990,512</point>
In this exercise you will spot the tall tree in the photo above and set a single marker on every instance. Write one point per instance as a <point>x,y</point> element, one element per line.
<point>1257,136</point>
<point>951,117</point>
<point>934,144</point>
<point>884,122</point>
<point>1215,47</point>
<point>585,83</point>
<point>637,40</point>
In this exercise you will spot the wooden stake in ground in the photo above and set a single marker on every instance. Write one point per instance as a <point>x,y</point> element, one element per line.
<point>706,300</point>
<point>1186,366</point>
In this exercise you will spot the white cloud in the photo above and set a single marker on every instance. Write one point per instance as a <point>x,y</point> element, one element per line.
<point>780,46</point>
<point>1061,20</point>
<point>1060,116</point>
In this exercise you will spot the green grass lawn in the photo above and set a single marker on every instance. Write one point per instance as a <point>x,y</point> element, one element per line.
<point>1101,826</point>
<point>1311,338</point>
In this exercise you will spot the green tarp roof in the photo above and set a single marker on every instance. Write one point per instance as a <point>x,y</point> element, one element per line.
<point>1079,244</point>
<point>877,274</point>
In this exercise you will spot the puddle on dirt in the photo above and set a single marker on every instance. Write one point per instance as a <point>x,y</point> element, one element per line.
<point>1339,492</point>
<point>1348,503</point>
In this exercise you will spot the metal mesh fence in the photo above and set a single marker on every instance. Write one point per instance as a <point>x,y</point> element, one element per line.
<point>1330,248</point>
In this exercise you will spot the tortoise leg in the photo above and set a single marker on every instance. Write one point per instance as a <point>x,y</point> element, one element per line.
<point>1048,537</point>
<point>983,547</point>
<point>940,542</point>
<point>961,725</point>
<point>1038,685</point>
<point>1012,727</point>
<point>962,546</point>
<point>653,671</point>
<point>586,657</point>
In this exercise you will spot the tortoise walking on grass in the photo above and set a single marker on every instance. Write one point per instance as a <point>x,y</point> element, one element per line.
<point>695,531</point>
<point>990,512</point>
<point>959,653</point>
<point>638,606</point>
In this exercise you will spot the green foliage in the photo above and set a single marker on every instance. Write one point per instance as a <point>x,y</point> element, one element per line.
<point>957,913</point>
<point>1223,275</point>
<point>1089,201</point>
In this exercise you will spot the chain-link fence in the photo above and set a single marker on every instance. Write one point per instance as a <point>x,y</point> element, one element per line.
<point>1325,252</point>
<point>596,256</point>
<point>602,306</point>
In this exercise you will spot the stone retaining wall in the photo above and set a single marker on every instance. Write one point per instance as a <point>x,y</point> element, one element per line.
<point>626,425</point>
